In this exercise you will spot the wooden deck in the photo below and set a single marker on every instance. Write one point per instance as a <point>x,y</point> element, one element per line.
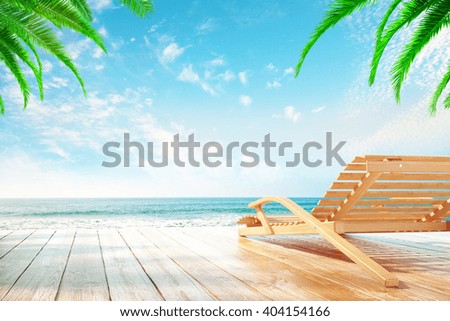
<point>214,264</point>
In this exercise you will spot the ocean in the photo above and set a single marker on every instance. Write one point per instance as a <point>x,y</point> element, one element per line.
<point>129,212</point>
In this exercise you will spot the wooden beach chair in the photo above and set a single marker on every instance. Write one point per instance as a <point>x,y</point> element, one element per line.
<point>373,194</point>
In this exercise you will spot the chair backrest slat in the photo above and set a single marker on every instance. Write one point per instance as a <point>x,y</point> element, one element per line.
<point>374,187</point>
<point>408,166</point>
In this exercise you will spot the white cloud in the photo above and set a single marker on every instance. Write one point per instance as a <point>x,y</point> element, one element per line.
<point>132,39</point>
<point>271,67</point>
<point>99,67</point>
<point>57,82</point>
<point>274,84</point>
<point>47,66</point>
<point>98,53</point>
<point>75,49</point>
<point>291,114</point>
<point>288,71</point>
<point>411,131</point>
<point>99,5</point>
<point>206,27</point>
<point>149,102</point>
<point>243,77</point>
<point>318,109</point>
<point>189,75</point>
<point>153,28</point>
<point>227,75</point>
<point>116,98</point>
<point>103,32</point>
<point>245,100</point>
<point>208,88</point>
<point>170,53</point>
<point>55,149</point>
<point>116,45</point>
<point>219,61</point>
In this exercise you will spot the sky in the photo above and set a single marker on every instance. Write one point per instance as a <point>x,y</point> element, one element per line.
<point>222,70</point>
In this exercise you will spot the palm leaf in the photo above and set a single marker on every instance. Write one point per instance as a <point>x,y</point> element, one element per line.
<point>83,8</point>
<point>11,42</point>
<point>13,65</point>
<point>436,18</point>
<point>63,14</point>
<point>339,9</point>
<point>39,64</point>
<point>410,11</point>
<point>380,32</point>
<point>386,17</point>
<point>139,7</point>
<point>33,29</point>
<point>439,89</point>
<point>28,23</point>
<point>447,102</point>
<point>2,106</point>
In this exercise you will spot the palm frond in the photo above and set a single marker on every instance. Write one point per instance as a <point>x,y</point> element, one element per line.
<point>26,25</point>
<point>380,32</point>
<point>2,106</point>
<point>439,89</point>
<point>447,102</point>
<point>39,64</point>
<point>339,9</point>
<point>139,7</point>
<point>436,18</point>
<point>385,19</point>
<point>11,42</point>
<point>13,65</point>
<point>33,29</point>
<point>83,7</point>
<point>410,11</point>
<point>63,14</point>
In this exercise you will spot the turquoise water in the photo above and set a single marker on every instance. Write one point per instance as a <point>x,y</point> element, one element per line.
<point>109,213</point>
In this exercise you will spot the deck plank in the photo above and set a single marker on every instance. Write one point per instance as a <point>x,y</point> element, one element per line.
<point>426,285</point>
<point>4,233</point>
<point>319,257</point>
<point>42,278</point>
<point>219,283</point>
<point>422,273</point>
<point>11,240</point>
<point>440,241</point>
<point>15,263</point>
<point>126,278</point>
<point>171,280</point>
<point>84,277</point>
<point>342,280</point>
<point>214,263</point>
<point>286,284</point>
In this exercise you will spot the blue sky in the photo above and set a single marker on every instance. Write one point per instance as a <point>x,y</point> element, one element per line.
<point>224,71</point>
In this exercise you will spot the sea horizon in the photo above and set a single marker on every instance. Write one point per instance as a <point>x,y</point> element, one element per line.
<point>38,213</point>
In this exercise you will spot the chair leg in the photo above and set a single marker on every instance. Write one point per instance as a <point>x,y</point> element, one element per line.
<point>352,252</point>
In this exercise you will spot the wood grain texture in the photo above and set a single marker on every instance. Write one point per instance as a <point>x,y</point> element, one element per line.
<point>4,233</point>
<point>253,270</point>
<point>304,273</point>
<point>17,261</point>
<point>11,240</point>
<point>172,281</point>
<point>127,279</point>
<point>220,283</point>
<point>214,263</point>
<point>84,276</point>
<point>42,278</point>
